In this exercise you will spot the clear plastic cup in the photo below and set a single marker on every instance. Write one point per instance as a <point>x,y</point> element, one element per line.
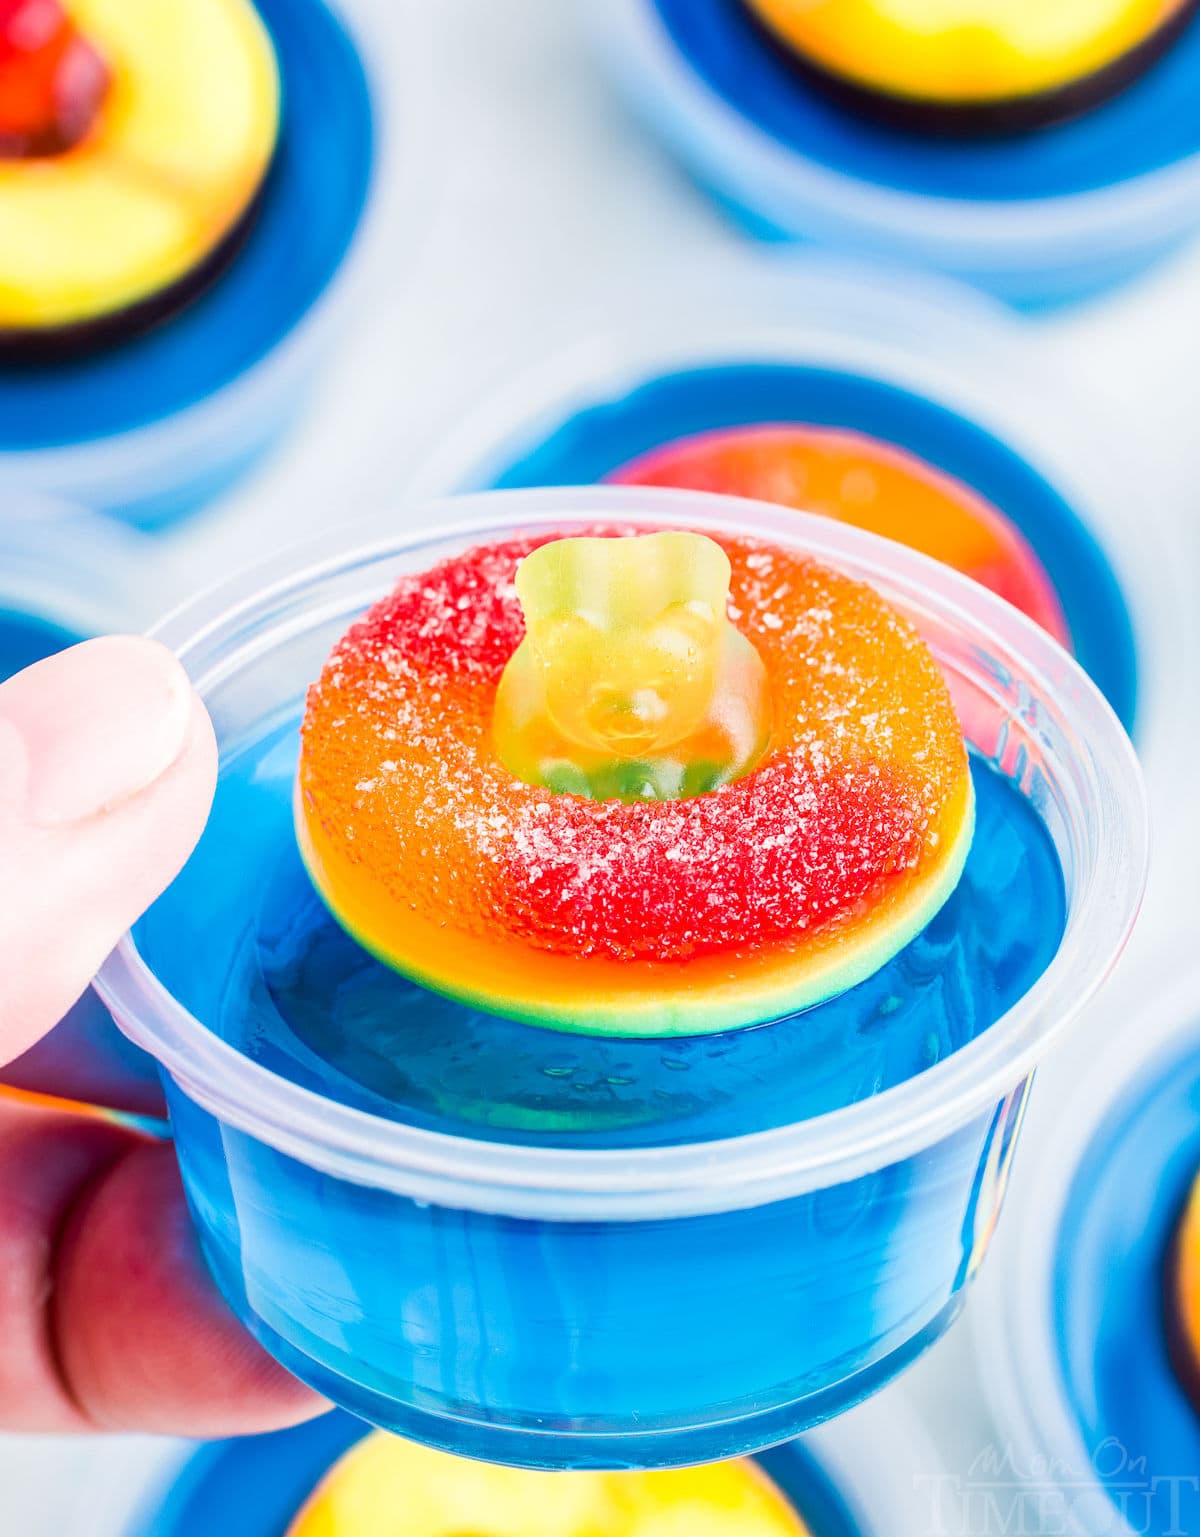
<point>66,574</point>
<point>155,428</point>
<point>640,1306</point>
<point>873,1474</point>
<point>1038,219</point>
<point>910,359</point>
<point>1070,1326</point>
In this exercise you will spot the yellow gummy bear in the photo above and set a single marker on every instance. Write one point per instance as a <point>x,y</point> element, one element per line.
<point>631,683</point>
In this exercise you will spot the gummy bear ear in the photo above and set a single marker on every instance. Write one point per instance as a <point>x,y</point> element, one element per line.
<point>564,578</point>
<point>686,627</point>
<point>622,583</point>
<point>558,637</point>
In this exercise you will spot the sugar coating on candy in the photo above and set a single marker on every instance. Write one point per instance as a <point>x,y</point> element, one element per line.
<point>870,484</point>
<point>398,770</point>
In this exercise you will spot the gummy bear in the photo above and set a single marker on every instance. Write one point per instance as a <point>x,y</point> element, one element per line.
<point>631,683</point>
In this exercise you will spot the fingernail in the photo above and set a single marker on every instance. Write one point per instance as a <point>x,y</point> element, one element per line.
<point>98,724</point>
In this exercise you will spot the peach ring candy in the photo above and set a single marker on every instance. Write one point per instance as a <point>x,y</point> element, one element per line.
<point>385,1487</point>
<point>668,907</point>
<point>1019,63</point>
<point>1183,1296</point>
<point>135,137</point>
<point>870,484</point>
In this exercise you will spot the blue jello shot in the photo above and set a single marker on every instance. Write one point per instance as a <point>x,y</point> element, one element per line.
<point>1088,1370</point>
<point>874,1472</point>
<point>152,426</point>
<point>1042,217</point>
<point>65,575</point>
<point>564,1251</point>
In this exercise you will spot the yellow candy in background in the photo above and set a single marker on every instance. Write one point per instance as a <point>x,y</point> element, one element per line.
<point>385,1487</point>
<point>179,150</point>
<point>964,51</point>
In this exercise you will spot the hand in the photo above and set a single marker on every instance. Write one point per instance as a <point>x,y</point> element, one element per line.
<point>107,1316</point>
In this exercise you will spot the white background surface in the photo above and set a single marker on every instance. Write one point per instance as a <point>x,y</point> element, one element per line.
<point>546,205</point>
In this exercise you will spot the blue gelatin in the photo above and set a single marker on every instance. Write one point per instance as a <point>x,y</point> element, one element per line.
<point>310,208</point>
<point>595,441</point>
<point>293,991</point>
<point>25,639</point>
<point>255,1486</point>
<point>1140,1430</point>
<point>1125,145</point>
<point>279,978</point>
<point>85,1057</point>
<point>575,1343</point>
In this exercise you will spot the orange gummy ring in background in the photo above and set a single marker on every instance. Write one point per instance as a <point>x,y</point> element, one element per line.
<point>868,483</point>
<point>1182,1292</point>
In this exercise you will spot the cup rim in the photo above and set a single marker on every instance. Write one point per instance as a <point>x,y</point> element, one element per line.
<point>616,1184</point>
<point>983,237</point>
<point>1014,1340</point>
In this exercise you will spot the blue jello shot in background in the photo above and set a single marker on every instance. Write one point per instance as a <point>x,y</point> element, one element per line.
<point>66,575</point>
<point>871,1474</point>
<point>918,364</point>
<point>153,426</point>
<point>1080,1347</point>
<point>875,1472</point>
<point>683,1250</point>
<point>1039,218</point>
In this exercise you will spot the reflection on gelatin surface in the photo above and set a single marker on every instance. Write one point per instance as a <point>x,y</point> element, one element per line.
<point>571,1343</point>
<point>1139,1428</point>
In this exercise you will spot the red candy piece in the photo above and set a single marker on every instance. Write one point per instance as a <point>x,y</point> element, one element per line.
<point>52,81</point>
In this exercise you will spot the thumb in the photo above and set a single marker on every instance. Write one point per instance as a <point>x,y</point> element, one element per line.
<point>107,769</point>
